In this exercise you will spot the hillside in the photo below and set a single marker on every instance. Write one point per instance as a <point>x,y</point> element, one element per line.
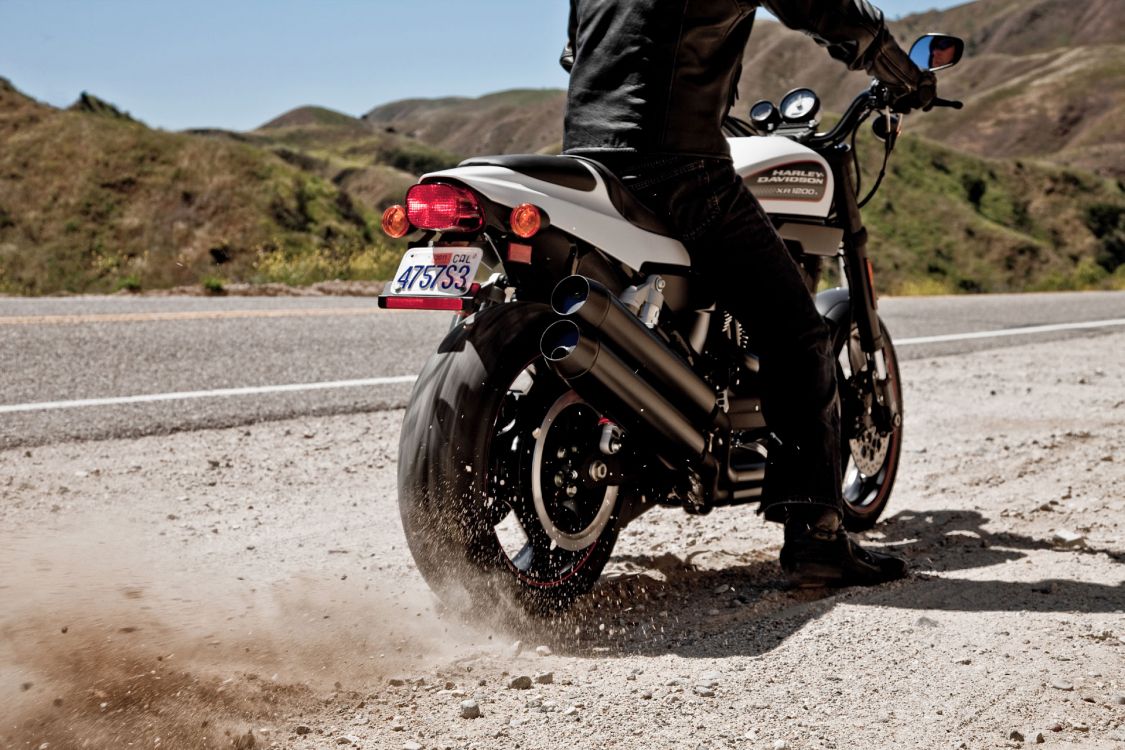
<point>990,225</point>
<point>91,201</point>
<point>1044,87</point>
<point>1041,79</point>
<point>519,121</point>
<point>374,167</point>
<point>950,222</point>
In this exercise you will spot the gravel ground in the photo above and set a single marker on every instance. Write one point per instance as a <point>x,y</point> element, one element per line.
<point>249,588</point>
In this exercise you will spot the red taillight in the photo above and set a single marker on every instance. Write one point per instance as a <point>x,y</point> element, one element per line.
<point>443,208</point>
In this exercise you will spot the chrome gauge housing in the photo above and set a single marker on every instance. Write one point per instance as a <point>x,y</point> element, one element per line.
<point>800,105</point>
<point>765,116</point>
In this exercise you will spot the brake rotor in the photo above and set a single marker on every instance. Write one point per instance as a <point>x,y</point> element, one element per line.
<point>869,447</point>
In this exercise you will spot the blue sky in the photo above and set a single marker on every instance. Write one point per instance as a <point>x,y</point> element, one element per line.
<point>238,63</point>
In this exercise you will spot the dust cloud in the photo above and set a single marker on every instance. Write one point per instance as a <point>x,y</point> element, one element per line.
<point>104,644</point>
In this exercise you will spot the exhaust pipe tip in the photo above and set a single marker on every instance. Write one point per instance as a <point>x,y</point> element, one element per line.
<point>569,352</point>
<point>560,340</point>
<point>570,295</point>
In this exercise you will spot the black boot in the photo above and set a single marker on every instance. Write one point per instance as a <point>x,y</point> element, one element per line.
<point>819,552</point>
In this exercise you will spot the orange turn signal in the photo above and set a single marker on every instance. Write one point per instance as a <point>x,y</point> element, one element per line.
<point>395,222</point>
<point>527,220</point>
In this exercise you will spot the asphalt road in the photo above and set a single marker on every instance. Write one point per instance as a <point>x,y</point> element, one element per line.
<point>59,350</point>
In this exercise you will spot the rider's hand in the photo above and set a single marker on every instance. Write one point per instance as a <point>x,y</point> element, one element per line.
<point>922,97</point>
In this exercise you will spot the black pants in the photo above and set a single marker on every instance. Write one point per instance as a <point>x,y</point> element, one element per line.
<point>735,247</point>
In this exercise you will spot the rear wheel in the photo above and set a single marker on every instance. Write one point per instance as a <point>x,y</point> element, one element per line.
<point>502,487</point>
<point>870,456</point>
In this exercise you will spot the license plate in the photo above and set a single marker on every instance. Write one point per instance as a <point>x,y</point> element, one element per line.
<point>437,271</point>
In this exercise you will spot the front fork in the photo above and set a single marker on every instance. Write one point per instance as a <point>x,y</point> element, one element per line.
<point>861,286</point>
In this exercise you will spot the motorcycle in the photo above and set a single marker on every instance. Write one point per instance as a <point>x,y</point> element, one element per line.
<point>588,377</point>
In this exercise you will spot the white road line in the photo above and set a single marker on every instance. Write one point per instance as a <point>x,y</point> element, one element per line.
<point>222,392</point>
<point>407,379</point>
<point>1026,331</point>
<point>182,315</point>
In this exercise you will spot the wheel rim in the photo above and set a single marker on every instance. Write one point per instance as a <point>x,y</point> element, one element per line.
<point>543,539</point>
<point>567,506</point>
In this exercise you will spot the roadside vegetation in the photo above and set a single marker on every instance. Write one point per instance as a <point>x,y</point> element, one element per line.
<point>93,200</point>
<point>949,223</point>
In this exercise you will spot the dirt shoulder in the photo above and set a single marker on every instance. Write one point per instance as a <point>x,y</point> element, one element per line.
<point>249,588</point>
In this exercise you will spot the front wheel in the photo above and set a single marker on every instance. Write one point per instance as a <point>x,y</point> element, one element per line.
<point>502,488</point>
<point>870,456</point>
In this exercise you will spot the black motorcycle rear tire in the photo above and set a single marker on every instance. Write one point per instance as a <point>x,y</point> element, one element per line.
<point>444,466</point>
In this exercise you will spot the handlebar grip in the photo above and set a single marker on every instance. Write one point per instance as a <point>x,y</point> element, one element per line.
<point>952,104</point>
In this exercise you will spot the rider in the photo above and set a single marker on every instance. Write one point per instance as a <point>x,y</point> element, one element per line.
<point>651,82</point>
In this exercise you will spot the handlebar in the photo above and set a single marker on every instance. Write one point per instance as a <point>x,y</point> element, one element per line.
<point>952,104</point>
<point>860,107</point>
<point>876,97</point>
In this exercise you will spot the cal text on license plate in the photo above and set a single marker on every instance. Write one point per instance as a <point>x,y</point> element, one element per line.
<point>437,271</point>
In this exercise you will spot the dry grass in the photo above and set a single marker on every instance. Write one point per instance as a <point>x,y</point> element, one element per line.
<point>90,202</point>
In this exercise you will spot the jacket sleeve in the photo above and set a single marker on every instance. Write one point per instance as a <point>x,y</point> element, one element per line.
<point>855,33</point>
<point>567,59</point>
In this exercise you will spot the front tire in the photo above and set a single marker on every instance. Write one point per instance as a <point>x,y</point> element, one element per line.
<point>473,442</point>
<point>870,459</point>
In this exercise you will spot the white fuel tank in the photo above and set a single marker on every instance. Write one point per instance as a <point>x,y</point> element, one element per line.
<point>787,178</point>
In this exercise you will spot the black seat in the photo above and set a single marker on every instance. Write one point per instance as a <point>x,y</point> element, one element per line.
<point>557,170</point>
<point>571,172</point>
<point>637,213</point>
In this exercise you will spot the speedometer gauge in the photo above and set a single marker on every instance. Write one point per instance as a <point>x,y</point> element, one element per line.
<point>800,105</point>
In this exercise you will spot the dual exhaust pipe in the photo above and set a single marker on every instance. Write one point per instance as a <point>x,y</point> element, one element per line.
<point>610,358</point>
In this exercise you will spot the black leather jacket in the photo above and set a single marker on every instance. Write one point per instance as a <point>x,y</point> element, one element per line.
<point>659,76</point>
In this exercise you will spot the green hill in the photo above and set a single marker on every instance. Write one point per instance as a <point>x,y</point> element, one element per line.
<point>91,201</point>
<point>518,121</point>
<point>374,167</point>
<point>1041,79</point>
<point>950,222</point>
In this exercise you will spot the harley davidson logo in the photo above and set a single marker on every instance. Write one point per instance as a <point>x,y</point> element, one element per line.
<point>798,181</point>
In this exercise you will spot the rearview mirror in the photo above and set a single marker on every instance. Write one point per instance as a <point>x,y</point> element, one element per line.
<point>937,51</point>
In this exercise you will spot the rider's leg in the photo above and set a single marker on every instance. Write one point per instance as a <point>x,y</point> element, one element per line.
<point>734,246</point>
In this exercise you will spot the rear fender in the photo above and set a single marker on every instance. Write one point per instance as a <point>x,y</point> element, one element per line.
<point>587,214</point>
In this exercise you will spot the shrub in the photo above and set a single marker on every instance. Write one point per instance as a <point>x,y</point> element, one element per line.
<point>130,283</point>
<point>975,188</point>
<point>213,285</point>
<point>1107,222</point>
<point>416,158</point>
